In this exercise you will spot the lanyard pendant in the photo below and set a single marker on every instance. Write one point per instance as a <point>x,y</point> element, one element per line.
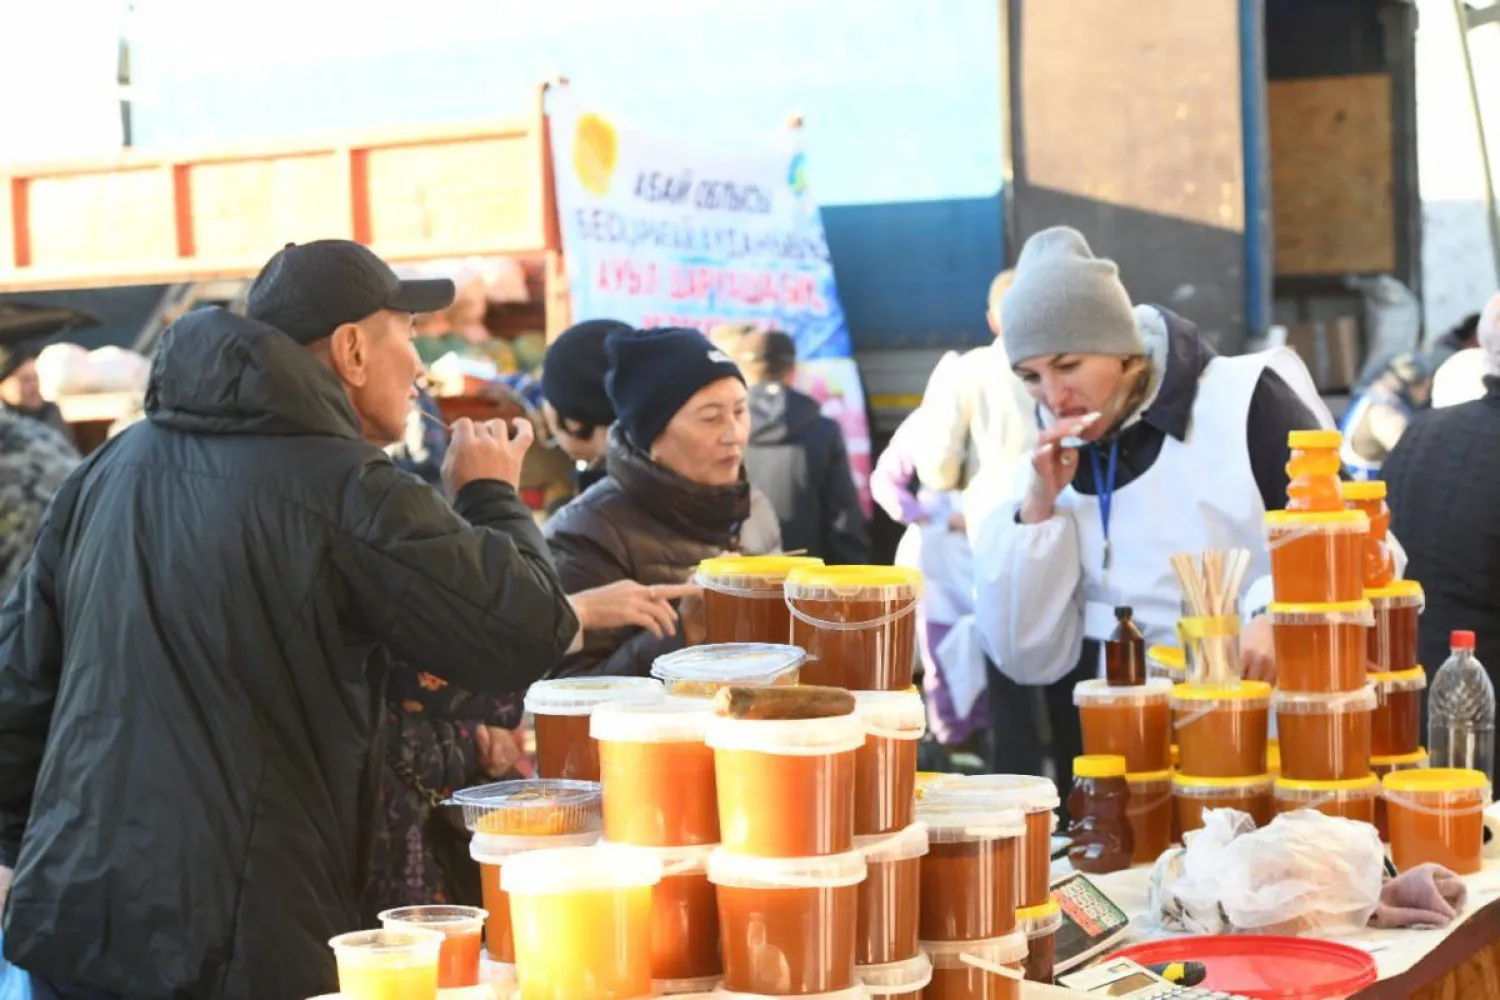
<point>1106,552</point>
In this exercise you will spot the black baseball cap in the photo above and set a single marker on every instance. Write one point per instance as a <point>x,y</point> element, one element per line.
<point>308,290</point>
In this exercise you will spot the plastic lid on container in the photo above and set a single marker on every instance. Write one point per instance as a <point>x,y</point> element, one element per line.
<point>927,781</point>
<point>1462,639</point>
<point>1168,657</point>
<point>532,807</point>
<point>496,849</point>
<point>740,871</point>
<point>674,861</point>
<point>1099,694</point>
<point>892,715</point>
<point>1354,788</point>
<point>854,583</point>
<point>1340,703</point>
<point>896,977</point>
<point>663,720</point>
<point>1363,489</point>
<point>1149,777</point>
<point>852,993</point>
<point>436,917</point>
<point>969,817</point>
<point>1400,761</point>
<point>1099,765</point>
<point>1031,793</point>
<point>1442,781</point>
<point>1273,756</point>
<point>1346,613</point>
<point>1414,679</point>
<point>1009,950</point>
<point>886,848</point>
<point>1247,695</point>
<point>787,737</point>
<point>581,695</point>
<point>752,663</point>
<point>1039,921</point>
<point>1210,788</point>
<point>1323,522</point>
<point>573,869</point>
<point>1396,595</point>
<point>751,572</point>
<point>1314,440</point>
<point>1257,965</point>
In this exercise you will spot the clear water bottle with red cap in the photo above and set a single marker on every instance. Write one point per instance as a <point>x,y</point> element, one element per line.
<point>1461,711</point>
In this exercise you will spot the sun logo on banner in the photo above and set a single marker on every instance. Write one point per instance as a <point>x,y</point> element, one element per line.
<point>595,149</point>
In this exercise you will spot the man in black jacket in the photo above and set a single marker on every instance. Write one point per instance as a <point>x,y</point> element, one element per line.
<point>192,665</point>
<point>797,456</point>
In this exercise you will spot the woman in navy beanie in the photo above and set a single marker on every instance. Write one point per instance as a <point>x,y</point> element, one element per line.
<point>676,492</point>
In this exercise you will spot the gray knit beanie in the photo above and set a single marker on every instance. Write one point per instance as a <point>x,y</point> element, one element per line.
<point>1067,301</point>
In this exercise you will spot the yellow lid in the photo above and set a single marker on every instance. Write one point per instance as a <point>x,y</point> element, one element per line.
<point>1437,779</point>
<point>768,568</point>
<point>1337,608</point>
<point>1369,781</point>
<point>1255,781</point>
<point>1142,777</point>
<point>1417,758</point>
<point>1273,756</point>
<point>1369,489</point>
<point>1338,519</point>
<point>1170,657</point>
<point>829,582</point>
<point>1395,589</point>
<point>1243,691</point>
<point>1099,765</point>
<point>1305,440</point>
<point>1040,912</point>
<point>1401,680</point>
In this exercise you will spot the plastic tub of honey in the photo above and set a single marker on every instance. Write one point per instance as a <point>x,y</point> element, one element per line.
<point>897,980</point>
<point>786,787</point>
<point>1193,795</point>
<point>561,710</point>
<point>1221,729</point>
<point>1393,640</point>
<point>977,970</point>
<point>1380,767</point>
<point>1168,662</point>
<point>1130,722</point>
<point>1369,496</point>
<point>858,625</point>
<point>1150,815</point>
<point>1325,737</point>
<point>788,925</point>
<point>684,919</point>
<point>971,873</point>
<point>1317,557</point>
<point>582,922</point>
<point>656,772</point>
<point>461,926</point>
<point>890,896</point>
<point>1038,799</point>
<point>1345,799</point>
<point>1396,726</point>
<point>1437,815</point>
<point>1040,924</point>
<point>885,768</point>
<point>1321,648</point>
<point>492,852</point>
<point>700,671</point>
<point>384,964</point>
<point>744,597</point>
<point>686,988</point>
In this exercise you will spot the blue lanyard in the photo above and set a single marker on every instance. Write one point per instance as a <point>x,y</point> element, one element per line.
<point>1105,487</point>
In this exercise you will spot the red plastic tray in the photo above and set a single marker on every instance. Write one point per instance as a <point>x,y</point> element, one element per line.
<point>1266,967</point>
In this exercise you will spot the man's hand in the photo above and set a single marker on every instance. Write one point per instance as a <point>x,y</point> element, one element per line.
<point>500,750</point>
<point>627,604</point>
<point>486,450</point>
<point>1258,650</point>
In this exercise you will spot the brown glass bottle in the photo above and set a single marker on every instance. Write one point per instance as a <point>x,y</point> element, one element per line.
<point>1100,805</point>
<point>1125,652</point>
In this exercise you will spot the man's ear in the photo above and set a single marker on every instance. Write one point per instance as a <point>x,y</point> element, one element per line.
<point>349,350</point>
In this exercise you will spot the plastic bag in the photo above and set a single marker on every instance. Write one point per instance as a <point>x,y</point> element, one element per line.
<point>14,984</point>
<point>1305,873</point>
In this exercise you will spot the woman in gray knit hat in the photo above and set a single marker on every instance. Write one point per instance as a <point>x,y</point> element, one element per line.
<point>1151,444</point>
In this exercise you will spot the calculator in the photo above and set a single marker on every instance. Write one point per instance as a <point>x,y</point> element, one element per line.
<point>1120,977</point>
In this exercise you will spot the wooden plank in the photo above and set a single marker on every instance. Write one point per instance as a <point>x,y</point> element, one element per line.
<point>1331,175</point>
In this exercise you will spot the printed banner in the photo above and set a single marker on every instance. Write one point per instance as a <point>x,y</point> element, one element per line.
<point>665,231</point>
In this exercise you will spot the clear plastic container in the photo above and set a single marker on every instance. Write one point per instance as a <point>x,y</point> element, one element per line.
<point>1437,815</point>
<point>684,919</point>
<point>971,873</point>
<point>1168,662</point>
<point>1346,799</point>
<point>1325,737</point>
<point>657,772</point>
<point>744,598</point>
<point>1317,557</point>
<point>1381,766</point>
<point>1393,640</point>
<point>388,964</point>
<point>700,671</point>
<point>532,807</point>
<point>786,787</point>
<point>885,768</point>
<point>561,710</point>
<point>1193,796</point>
<point>1150,814</point>
<point>1133,722</point>
<point>1038,799</point>
<point>788,925</point>
<point>582,922</point>
<point>1221,729</point>
<point>1040,924</point>
<point>1369,496</point>
<point>977,970</point>
<point>897,980</point>
<point>858,625</point>
<point>492,852</point>
<point>1396,726</point>
<point>1321,648</point>
<point>461,927</point>
<point>890,896</point>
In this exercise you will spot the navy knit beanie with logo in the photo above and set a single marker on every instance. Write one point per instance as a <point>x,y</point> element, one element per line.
<point>653,373</point>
